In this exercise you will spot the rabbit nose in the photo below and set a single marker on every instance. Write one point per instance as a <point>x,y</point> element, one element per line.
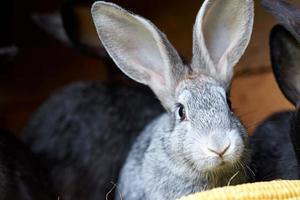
<point>220,153</point>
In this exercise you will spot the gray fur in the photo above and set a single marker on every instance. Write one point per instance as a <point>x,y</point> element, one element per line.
<point>164,155</point>
<point>173,157</point>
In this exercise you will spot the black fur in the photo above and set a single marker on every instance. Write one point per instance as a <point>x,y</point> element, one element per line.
<point>84,133</point>
<point>21,177</point>
<point>276,141</point>
<point>273,155</point>
<point>287,14</point>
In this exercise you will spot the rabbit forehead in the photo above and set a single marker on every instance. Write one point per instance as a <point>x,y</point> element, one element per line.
<point>205,103</point>
<point>198,87</point>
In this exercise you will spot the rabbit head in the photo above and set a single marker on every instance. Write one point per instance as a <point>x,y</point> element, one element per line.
<point>203,129</point>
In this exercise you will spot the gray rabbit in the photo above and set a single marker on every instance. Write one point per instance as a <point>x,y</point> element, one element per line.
<point>84,132</point>
<point>198,143</point>
<point>276,141</point>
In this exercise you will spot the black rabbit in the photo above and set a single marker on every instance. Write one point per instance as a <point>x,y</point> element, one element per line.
<point>66,132</point>
<point>83,134</point>
<point>275,143</point>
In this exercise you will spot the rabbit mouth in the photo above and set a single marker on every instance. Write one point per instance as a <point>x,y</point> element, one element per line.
<point>229,164</point>
<point>221,167</point>
<point>215,164</point>
<point>211,165</point>
<point>221,163</point>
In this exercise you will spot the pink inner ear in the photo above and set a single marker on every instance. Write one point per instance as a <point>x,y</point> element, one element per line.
<point>157,77</point>
<point>152,76</point>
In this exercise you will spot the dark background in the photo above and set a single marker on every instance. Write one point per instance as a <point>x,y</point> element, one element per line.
<point>43,64</point>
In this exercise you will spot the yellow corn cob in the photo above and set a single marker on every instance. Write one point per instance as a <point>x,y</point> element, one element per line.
<point>273,190</point>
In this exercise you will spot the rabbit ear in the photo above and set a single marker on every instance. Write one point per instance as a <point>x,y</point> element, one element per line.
<point>221,34</point>
<point>52,24</point>
<point>139,49</point>
<point>285,56</point>
<point>287,14</point>
<point>72,29</point>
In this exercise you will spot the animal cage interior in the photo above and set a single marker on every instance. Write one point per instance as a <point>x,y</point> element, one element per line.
<point>75,104</point>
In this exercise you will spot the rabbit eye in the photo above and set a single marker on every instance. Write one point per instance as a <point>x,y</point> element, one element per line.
<point>181,112</point>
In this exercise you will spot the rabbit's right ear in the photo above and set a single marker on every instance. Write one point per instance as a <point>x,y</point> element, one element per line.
<point>221,34</point>
<point>285,57</point>
<point>139,49</point>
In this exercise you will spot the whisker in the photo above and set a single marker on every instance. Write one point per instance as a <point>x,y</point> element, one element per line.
<point>234,175</point>
<point>242,166</point>
<point>110,191</point>
<point>251,171</point>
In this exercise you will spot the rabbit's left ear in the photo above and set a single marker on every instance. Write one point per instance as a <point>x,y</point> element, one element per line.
<point>221,34</point>
<point>139,49</point>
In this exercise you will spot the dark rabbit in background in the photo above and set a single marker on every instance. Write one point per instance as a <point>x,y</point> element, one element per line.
<point>83,134</point>
<point>22,177</point>
<point>275,143</point>
<point>73,26</point>
<point>287,14</point>
<point>65,24</point>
